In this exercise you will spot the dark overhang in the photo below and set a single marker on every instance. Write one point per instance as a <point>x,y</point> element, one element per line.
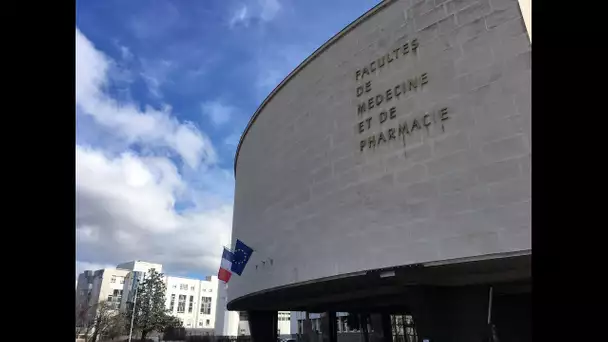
<point>388,287</point>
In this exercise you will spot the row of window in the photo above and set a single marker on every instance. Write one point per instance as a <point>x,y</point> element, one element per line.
<point>200,323</point>
<point>184,287</point>
<point>113,279</point>
<point>115,298</point>
<point>181,304</point>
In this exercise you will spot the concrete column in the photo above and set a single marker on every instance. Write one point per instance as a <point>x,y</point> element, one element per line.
<point>512,316</point>
<point>364,325</point>
<point>387,328</point>
<point>307,328</point>
<point>263,325</point>
<point>328,327</point>
<point>380,328</point>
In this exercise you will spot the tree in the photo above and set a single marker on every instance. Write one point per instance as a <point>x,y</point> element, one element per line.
<point>105,313</point>
<point>117,326</point>
<point>83,325</point>
<point>150,312</point>
<point>171,322</point>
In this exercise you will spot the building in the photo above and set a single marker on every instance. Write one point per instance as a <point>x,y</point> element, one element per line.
<point>94,286</point>
<point>299,318</point>
<point>235,323</point>
<point>193,301</point>
<point>140,266</point>
<point>389,175</point>
<point>226,322</point>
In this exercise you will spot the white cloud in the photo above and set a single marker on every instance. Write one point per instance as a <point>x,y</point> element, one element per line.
<point>156,128</point>
<point>269,78</point>
<point>239,16</point>
<point>232,139</point>
<point>126,53</point>
<point>264,10</point>
<point>269,9</point>
<point>155,74</point>
<point>273,65</point>
<point>126,210</point>
<point>218,112</point>
<point>133,200</point>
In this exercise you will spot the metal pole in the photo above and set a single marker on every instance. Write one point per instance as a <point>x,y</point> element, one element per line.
<point>490,306</point>
<point>133,314</point>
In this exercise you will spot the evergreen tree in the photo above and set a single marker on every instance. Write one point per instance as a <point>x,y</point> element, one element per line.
<point>150,312</point>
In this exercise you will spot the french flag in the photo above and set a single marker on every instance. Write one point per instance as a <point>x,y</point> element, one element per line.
<point>224,274</point>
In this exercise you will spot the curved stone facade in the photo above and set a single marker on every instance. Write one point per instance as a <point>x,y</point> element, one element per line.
<point>404,139</point>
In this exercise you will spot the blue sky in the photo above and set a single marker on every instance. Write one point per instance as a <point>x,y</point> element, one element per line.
<point>164,90</point>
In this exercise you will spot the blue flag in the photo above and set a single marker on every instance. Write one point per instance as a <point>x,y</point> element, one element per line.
<point>241,256</point>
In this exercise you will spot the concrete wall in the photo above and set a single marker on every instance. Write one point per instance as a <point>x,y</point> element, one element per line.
<point>310,200</point>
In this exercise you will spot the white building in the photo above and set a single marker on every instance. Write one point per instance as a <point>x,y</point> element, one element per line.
<point>141,266</point>
<point>191,300</point>
<point>235,323</point>
<point>284,323</point>
<point>195,302</point>
<point>94,286</point>
<point>226,322</point>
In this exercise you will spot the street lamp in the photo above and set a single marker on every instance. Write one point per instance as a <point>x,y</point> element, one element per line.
<point>134,305</point>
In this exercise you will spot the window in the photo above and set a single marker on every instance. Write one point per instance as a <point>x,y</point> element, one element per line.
<point>122,280</point>
<point>206,305</point>
<point>181,304</point>
<point>115,298</point>
<point>113,279</point>
<point>117,295</point>
<point>183,286</point>
<point>210,290</point>
<point>207,322</point>
<point>191,288</point>
<point>200,323</point>
<point>190,304</point>
<point>204,290</point>
<point>172,303</point>
<point>174,286</point>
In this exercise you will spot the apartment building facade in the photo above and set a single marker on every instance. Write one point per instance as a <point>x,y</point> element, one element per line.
<point>191,300</point>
